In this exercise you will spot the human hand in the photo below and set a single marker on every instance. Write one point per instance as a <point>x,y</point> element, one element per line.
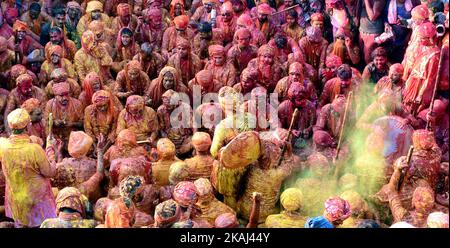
<point>400,163</point>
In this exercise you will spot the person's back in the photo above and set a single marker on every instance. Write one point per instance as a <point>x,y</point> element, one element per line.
<point>29,198</point>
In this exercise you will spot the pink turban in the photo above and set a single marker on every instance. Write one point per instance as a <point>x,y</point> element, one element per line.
<point>185,193</point>
<point>264,8</point>
<point>333,61</point>
<point>337,208</point>
<point>427,30</point>
<point>61,89</point>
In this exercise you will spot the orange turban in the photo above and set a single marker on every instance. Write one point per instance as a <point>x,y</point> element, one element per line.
<point>181,21</point>
<point>123,9</point>
<point>420,12</point>
<point>427,30</point>
<point>264,8</point>
<point>24,78</point>
<point>61,89</point>
<point>18,119</point>
<point>216,50</point>
<point>30,104</point>
<point>333,61</point>
<point>201,141</point>
<point>19,26</point>
<point>79,144</point>
<point>317,17</point>
<point>53,49</point>
<point>204,78</point>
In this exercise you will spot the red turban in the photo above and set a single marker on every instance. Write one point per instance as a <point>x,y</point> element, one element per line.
<point>149,13</point>
<point>396,68</point>
<point>181,21</point>
<point>427,30</point>
<point>243,31</point>
<point>216,50</point>
<point>295,86</point>
<point>322,138</point>
<point>19,26</point>
<point>185,193</point>
<point>264,8</point>
<point>420,12</point>
<point>30,104</point>
<point>123,9</point>
<point>61,89</point>
<point>337,208</point>
<point>317,17</point>
<point>204,78</point>
<point>333,61</point>
<point>245,20</point>
<point>11,12</point>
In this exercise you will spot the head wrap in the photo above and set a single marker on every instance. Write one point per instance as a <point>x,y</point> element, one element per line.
<point>314,33</point>
<point>264,8</point>
<point>79,143</point>
<point>88,81</point>
<point>357,203</point>
<point>294,88</point>
<point>58,74</point>
<point>402,224</point>
<point>181,21</point>
<point>173,3</point>
<point>243,31</point>
<point>53,49</point>
<point>317,17</point>
<point>17,70</point>
<point>337,208</point>
<point>101,97</point>
<point>11,12</point>
<point>185,193</point>
<point>437,220</point>
<point>61,88</point>
<point>203,187</point>
<point>396,68</point>
<point>183,42</point>
<point>18,119</point>
<point>226,220</point>
<point>249,73</point>
<point>123,9</point>
<point>126,137</point>
<point>178,172</point>
<point>296,67</point>
<point>133,65</point>
<point>36,56</point>
<point>24,78</point>
<point>266,49</point>
<point>96,26</point>
<point>19,26</point>
<point>167,213</point>
<point>73,5</point>
<point>87,40</point>
<point>245,20</point>
<point>30,104</point>
<point>333,61</point>
<point>291,199</point>
<point>70,197</point>
<point>318,222</point>
<point>322,138</point>
<point>420,12</point>
<point>152,13</point>
<point>165,147</point>
<point>94,5</point>
<point>204,78</point>
<point>214,50</point>
<point>201,141</point>
<point>3,44</point>
<point>226,7</point>
<point>423,139</point>
<point>423,199</point>
<point>135,100</point>
<point>426,30</point>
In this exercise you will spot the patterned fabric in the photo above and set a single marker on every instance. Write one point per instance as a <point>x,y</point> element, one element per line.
<point>337,208</point>
<point>185,194</point>
<point>291,199</point>
<point>18,119</point>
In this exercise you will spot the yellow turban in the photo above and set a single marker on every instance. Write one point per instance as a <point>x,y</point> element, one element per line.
<point>18,119</point>
<point>94,5</point>
<point>291,199</point>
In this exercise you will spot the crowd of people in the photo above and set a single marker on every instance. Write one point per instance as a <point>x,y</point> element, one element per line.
<point>224,113</point>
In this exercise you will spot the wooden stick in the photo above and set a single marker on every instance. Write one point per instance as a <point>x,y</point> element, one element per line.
<point>403,174</point>
<point>438,78</point>
<point>288,138</point>
<point>286,9</point>
<point>341,132</point>
<point>143,142</point>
